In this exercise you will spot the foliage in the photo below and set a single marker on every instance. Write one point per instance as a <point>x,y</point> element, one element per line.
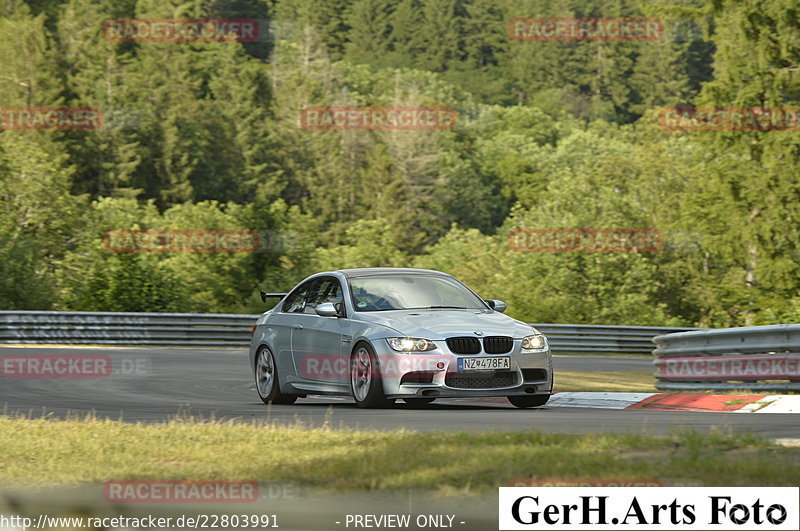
<point>208,135</point>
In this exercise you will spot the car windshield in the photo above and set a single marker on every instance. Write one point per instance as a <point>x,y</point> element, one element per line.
<point>412,291</point>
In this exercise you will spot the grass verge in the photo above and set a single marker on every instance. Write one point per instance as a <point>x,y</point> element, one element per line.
<point>635,382</point>
<point>605,381</point>
<point>47,452</point>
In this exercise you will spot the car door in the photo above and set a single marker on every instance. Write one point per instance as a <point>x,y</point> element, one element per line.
<point>284,322</point>
<point>317,341</point>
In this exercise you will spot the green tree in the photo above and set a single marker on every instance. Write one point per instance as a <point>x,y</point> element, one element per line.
<point>28,74</point>
<point>38,217</point>
<point>370,27</point>
<point>751,175</point>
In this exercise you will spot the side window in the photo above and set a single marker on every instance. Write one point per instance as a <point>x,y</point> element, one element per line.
<point>328,290</point>
<point>296,301</point>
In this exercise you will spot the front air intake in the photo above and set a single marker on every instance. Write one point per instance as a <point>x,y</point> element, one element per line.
<point>418,377</point>
<point>534,375</point>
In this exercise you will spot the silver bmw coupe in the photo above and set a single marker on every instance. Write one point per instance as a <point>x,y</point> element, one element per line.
<point>380,334</point>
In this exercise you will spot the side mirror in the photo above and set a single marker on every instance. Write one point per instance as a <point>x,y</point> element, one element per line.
<point>326,309</point>
<point>494,304</point>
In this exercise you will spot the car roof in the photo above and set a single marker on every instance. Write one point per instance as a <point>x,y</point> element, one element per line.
<point>369,271</point>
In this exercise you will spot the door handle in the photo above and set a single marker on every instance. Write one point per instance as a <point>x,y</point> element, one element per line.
<point>298,327</point>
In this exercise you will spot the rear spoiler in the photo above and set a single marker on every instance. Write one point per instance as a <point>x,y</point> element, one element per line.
<point>265,296</point>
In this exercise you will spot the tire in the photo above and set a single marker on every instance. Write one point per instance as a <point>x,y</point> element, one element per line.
<point>267,385</point>
<point>529,401</point>
<point>418,402</point>
<point>365,378</point>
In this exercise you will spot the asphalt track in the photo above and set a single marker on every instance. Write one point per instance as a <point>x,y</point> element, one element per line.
<point>160,383</point>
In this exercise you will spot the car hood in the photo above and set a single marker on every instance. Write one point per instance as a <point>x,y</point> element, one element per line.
<point>441,324</point>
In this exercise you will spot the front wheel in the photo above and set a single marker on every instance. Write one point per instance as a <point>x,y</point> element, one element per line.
<point>365,378</point>
<point>269,390</point>
<point>529,401</point>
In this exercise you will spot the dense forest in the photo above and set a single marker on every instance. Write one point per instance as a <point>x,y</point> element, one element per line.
<point>548,134</point>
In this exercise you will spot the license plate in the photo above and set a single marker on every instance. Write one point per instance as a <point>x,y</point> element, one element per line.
<point>484,364</point>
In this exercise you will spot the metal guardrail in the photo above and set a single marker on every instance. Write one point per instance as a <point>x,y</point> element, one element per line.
<point>751,357</point>
<point>125,328</point>
<point>191,329</point>
<point>599,339</point>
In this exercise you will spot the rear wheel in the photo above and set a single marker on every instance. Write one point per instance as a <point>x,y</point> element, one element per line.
<point>529,401</point>
<point>269,390</point>
<point>365,378</point>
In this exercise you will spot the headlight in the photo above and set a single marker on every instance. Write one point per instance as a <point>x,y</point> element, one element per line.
<point>534,342</point>
<point>410,344</point>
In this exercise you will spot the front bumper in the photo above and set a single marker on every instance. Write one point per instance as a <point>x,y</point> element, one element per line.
<point>435,374</point>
